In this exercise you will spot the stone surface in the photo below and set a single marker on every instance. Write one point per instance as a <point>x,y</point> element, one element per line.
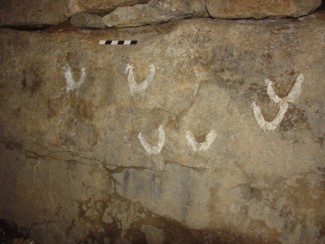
<point>52,12</point>
<point>85,20</point>
<point>72,168</point>
<point>26,12</point>
<point>99,6</point>
<point>156,11</point>
<point>260,9</point>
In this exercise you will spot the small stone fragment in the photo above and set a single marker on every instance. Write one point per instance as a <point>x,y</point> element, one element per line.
<point>154,12</point>
<point>85,20</point>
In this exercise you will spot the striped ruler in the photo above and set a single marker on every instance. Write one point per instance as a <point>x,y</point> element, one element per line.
<point>118,42</point>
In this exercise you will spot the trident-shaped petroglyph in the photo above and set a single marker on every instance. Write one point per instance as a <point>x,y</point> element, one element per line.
<point>282,103</point>
<point>71,84</point>
<point>203,146</point>
<point>134,86</point>
<point>153,149</point>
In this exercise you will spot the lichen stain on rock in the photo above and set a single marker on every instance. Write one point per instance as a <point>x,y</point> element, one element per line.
<point>11,145</point>
<point>106,218</point>
<point>284,83</point>
<point>294,118</point>
<point>231,84</point>
<point>81,108</point>
<point>91,213</point>
<point>32,80</point>
<point>136,236</point>
<point>321,140</point>
<point>53,107</point>
<point>213,199</point>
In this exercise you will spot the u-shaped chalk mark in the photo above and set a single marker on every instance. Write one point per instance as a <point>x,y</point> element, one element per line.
<point>203,146</point>
<point>270,125</point>
<point>134,86</point>
<point>71,84</point>
<point>155,150</point>
<point>282,102</point>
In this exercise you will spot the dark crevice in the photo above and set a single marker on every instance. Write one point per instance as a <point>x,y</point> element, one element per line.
<point>10,232</point>
<point>322,6</point>
<point>207,10</point>
<point>32,27</point>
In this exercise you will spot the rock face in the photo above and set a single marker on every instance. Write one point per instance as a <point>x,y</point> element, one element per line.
<point>206,131</point>
<point>260,9</point>
<point>142,12</point>
<point>156,11</point>
<point>100,6</point>
<point>52,12</point>
<point>164,10</point>
<point>26,12</point>
<point>87,21</point>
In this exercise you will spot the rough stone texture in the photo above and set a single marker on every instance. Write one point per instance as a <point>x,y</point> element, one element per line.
<point>26,12</point>
<point>85,20</point>
<point>71,164</point>
<point>260,8</point>
<point>51,12</point>
<point>155,11</point>
<point>99,6</point>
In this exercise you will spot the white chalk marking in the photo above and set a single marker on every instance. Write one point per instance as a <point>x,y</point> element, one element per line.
<point>203,146</point>
<point>282,103</point>
<point>270,91</point>
<point>139,87</point>
<point>272,125</point>
<point>296,89</point>
<point>153,149</point>
<point>71,84</point>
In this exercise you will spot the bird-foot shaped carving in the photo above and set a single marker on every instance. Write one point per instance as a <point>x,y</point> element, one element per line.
<point>134,86</point>
<point>71,84</point>
<point>153,150</point>
<point>203,146</point>
<point>292,97</point>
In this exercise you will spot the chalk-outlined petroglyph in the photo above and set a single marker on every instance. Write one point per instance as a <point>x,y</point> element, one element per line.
<point>155,150</point>
<point>203,146</point>
<point>71,84</point>
<point>134,86</point>
<point>272,125</point>
<point>282,103</point>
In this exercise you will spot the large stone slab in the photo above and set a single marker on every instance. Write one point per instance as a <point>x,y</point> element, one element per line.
<point>141,12</point>
<point>90,152</point>
<point>156,11</point>
<point>52,12</point>
<point>260,9</point>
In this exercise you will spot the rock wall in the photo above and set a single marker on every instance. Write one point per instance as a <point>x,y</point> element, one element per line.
<point>141,12</point>
<point>204,131</point>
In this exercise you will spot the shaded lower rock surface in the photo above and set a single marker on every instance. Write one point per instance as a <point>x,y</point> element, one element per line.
<point>11,233</point>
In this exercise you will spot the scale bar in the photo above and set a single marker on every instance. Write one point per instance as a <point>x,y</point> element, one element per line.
<point>118,42</point>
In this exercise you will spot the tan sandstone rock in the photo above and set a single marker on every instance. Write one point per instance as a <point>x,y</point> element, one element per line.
<point>260,8</point>
<point>85,20</point>
<point>49,12</point>
<point>163,141</point>
<point>156,11</point>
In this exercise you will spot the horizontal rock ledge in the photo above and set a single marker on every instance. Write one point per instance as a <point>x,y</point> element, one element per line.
<point>142,12</point>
